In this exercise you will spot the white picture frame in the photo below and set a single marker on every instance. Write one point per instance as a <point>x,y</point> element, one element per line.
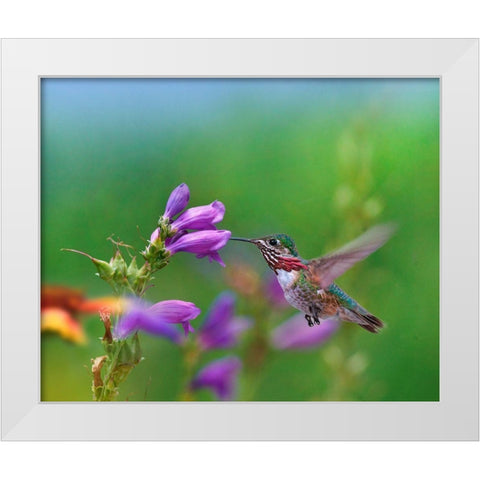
<point>454,417</point>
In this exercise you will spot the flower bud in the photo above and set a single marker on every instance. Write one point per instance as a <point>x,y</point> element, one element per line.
<point>155,235</point>
<point>177,201</point>
<point>119,268</point>
<point>132,271</point>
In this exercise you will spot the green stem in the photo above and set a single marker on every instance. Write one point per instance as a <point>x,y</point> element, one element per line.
<point>108,394</point>
<point>191,355</point>
<point>258,350</point>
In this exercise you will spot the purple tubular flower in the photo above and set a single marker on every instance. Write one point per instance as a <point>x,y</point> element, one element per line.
<point>176,311</point>
<point>295,334</point>
<point>220,328</point>
<point>200,218</point>
<point>177,201</point>
<point>219,376</point>
<point>157,319</point>
<point>173,239</point>
<point>204,243</point>
<point>138,317</point>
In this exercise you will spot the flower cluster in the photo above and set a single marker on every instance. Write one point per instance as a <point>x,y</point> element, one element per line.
<point>193,231</point>
<point>178,230</point>
<point>220,329</point>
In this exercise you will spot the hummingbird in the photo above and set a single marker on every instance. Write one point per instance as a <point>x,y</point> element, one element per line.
<point>308,285</point>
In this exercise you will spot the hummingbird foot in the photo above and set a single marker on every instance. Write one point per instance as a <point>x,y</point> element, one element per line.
<point>308,318</point>
<point>314,315</point>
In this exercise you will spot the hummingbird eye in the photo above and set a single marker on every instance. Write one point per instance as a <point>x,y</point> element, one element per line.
<point>273,242</point>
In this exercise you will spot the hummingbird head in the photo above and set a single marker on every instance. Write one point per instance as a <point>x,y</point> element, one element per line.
<point>278,250</point>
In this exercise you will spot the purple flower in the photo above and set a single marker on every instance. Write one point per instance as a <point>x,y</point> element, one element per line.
<point>221,328</point>
<point>177,201</point>
<point>200,218</point>
<point>204,243</point>
<point>219,376</point>
<point>176,311</point>
<point>173,239</point>
<point>296,334</point>
<point>157,319</point>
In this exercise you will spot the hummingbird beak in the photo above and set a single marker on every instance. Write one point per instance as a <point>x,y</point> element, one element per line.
<point>239,239</point>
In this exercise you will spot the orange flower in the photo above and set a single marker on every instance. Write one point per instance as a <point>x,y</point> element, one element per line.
<point>62,322</point>
<point>62,307</point>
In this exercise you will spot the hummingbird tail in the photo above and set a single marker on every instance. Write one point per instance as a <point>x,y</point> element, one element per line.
<point>372,323</point>
<point>363,319</point>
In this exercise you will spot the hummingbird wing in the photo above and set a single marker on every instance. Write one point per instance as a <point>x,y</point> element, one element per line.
<point>324,270</point>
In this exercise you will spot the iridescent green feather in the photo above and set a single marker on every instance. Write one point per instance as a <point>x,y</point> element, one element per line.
<point>287,242</point>
<point>345,299</point>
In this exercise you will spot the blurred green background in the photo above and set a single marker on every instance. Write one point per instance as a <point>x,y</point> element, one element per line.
<point>318,159</point>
